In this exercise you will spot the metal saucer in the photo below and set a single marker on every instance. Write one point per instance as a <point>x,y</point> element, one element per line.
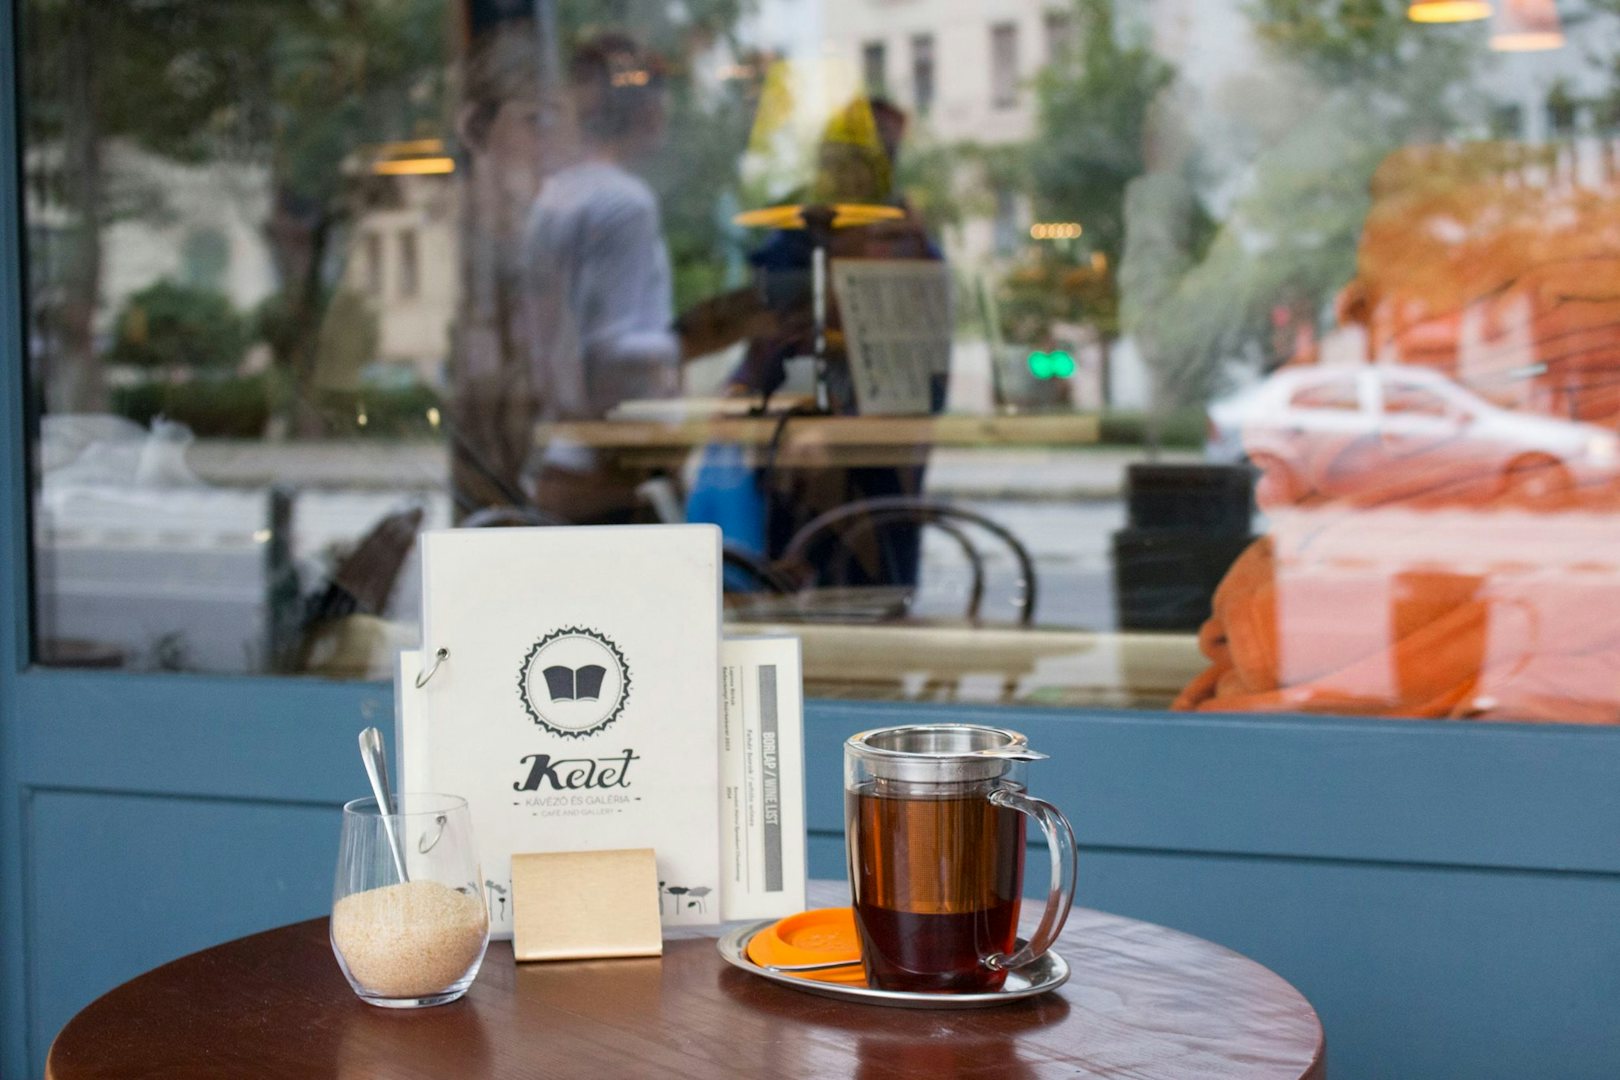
<point>1044,974</point>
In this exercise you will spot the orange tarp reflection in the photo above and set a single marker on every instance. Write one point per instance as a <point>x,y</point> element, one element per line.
<point>1428,583</point>
<point>1504,614</point>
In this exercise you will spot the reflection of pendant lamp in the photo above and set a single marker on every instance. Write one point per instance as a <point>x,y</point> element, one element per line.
<point>1527,26</point>
<point>1444,11</point>
<point>820,221</point>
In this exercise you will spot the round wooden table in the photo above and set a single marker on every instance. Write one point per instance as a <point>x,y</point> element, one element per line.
<point>1143,1003</point>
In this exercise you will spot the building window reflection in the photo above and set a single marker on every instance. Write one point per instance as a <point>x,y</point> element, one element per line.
<point>875,67</point>
<point>409,267</point>
<point>922,73</point>
<point>371,247</point>
<point>1004,75</point>
<point>1059,26</point>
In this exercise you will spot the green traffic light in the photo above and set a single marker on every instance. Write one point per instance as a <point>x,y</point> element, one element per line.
<point>1057,364</point>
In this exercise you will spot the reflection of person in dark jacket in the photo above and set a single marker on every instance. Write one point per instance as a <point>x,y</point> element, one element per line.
<point>856,162</point>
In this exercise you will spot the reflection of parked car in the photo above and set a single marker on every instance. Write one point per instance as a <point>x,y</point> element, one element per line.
<point>1401,432</point>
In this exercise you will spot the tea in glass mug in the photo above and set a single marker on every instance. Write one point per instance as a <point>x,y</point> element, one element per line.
<point>934,821</point>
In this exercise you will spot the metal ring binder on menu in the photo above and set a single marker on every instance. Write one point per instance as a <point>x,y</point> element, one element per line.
<point>439,657</point>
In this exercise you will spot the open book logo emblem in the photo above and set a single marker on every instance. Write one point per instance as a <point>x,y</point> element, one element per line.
<point>574,681</point>
<point>575,684</point>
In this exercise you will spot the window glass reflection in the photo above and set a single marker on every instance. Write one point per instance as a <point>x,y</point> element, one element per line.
<point>1240,356</point>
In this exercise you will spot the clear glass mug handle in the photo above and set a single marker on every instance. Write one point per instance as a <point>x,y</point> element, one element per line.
<point>1061,844</point>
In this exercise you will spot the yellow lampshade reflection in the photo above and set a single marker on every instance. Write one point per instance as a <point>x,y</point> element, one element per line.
<point>420,166</point>
<point>845,216</point>
<point>1527,26</point>
<point>1447,11</point>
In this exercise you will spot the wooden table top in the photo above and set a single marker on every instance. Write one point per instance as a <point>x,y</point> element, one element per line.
<point>1144,1003</point>
<point>822,440</point>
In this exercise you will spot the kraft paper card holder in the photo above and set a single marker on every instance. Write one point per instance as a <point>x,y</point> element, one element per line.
<point>586,905</point>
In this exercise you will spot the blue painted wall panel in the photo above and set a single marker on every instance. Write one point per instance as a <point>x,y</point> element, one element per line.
<point>118,884</point>
<point>1466,794</point>
<point>255,738</point>
<point>1418,973</point>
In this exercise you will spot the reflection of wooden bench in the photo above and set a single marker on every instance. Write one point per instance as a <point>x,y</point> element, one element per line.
<point>993,665</point>
<point>811,441</point>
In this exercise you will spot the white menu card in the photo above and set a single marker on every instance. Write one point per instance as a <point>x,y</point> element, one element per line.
<point>578,707</point>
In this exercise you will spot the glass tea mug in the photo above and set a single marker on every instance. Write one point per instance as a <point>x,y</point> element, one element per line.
<point>934,822</point>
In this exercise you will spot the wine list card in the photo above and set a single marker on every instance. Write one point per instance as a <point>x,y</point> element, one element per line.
<point>762,836</point>
<point>578,707</point>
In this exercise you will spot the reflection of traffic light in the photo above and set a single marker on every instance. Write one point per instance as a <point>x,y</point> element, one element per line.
<point>1056,364</point>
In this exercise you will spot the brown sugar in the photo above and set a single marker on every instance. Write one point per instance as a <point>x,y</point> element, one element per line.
<point>410,940</point>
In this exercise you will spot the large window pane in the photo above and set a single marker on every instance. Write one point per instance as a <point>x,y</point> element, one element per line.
<point>1237,356</point>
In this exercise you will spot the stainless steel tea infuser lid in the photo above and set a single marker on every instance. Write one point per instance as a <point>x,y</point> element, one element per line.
<point>940,753</point>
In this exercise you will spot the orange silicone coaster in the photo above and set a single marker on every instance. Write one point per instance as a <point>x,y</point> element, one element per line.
<point>812,937</point>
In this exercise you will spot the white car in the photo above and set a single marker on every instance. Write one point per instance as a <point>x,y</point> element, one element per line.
<point>1404,432</point>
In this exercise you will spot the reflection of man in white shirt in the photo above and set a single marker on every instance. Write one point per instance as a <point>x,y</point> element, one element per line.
<point>598,278</point>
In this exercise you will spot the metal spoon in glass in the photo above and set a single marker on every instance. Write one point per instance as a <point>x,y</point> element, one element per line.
<point>376,763</point>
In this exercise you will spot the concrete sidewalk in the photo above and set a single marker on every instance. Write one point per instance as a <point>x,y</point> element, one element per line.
<point>1038,475</point>
<point>333,464</point>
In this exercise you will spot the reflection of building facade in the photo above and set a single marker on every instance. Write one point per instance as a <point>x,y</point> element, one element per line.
<point>402,257</point>
<point>204,226</point>
<point>962,69</point>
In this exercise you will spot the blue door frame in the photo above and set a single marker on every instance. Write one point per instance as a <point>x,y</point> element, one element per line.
<point>1448,895</point>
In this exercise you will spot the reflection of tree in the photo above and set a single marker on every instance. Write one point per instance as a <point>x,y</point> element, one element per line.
<point>338,77</point>
<point>1092,107</point>
<point>1288,243</point>
<point>85,68</point>
<point>708,133</point>
<point>288,86</point>
<point>1361,43</point>
<point>167,328</point>
<point>1363,80</point>
<point>926,179</point>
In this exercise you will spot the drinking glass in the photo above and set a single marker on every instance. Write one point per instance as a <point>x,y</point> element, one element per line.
<point>934,821</point>
<point>409,926</point>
